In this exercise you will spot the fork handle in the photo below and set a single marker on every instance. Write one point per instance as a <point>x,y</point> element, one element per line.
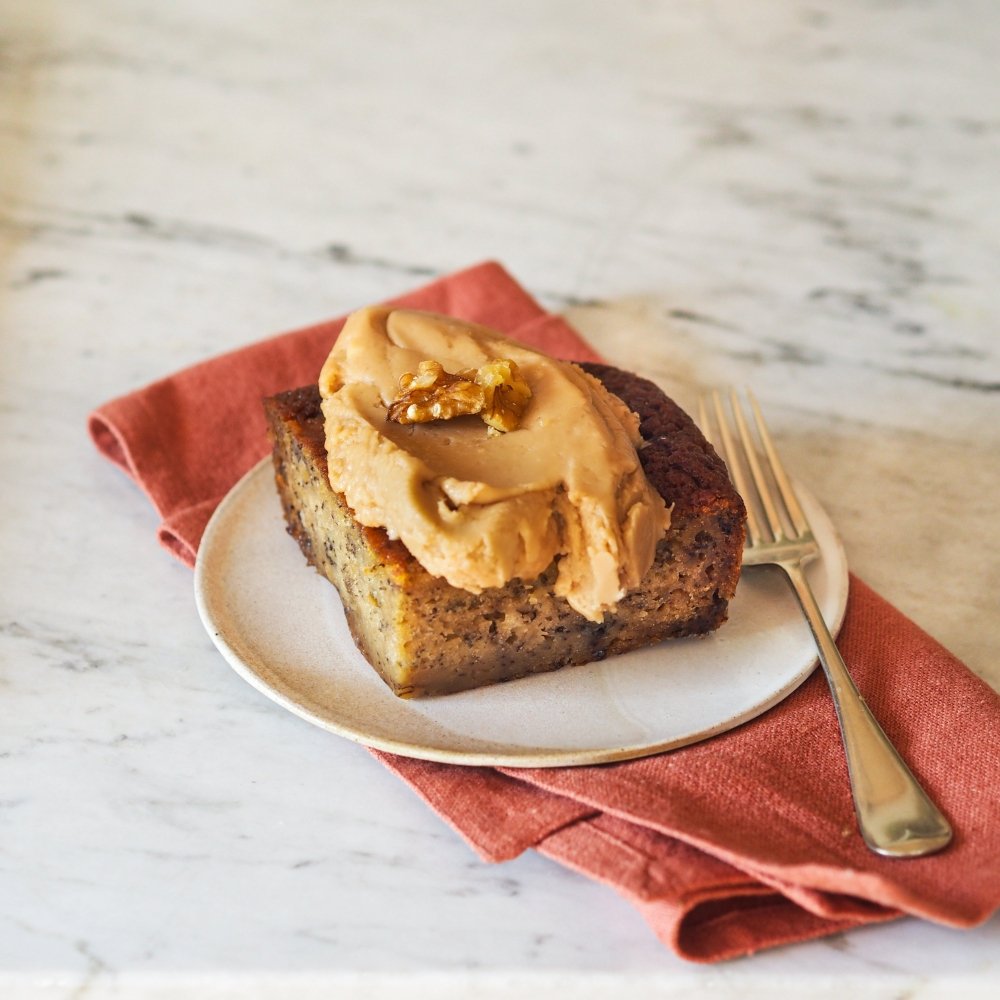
<point>895,815</point>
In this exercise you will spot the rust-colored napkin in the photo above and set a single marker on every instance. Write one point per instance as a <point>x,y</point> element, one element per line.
<point>739,843</point>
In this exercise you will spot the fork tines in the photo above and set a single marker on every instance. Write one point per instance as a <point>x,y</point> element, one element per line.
<point>773,510</point>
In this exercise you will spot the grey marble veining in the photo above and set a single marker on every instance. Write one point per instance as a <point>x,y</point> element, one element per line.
<point>798,197</point>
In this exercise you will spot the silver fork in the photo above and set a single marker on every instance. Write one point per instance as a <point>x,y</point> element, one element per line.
<point>895,815</point>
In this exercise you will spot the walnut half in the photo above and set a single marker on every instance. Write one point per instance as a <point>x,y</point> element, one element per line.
<point>497,392</point>
<point>507,394</point>
<point>434,394</point>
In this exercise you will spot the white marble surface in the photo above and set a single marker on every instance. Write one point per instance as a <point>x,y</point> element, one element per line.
<point>798,196</point>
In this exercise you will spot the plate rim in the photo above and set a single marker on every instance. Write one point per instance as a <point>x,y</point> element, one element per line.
<point>527,758</point>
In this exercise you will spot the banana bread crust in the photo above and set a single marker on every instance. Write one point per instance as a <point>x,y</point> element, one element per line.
<point>426,637</point>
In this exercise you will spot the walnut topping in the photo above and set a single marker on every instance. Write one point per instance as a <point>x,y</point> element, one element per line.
<point>497,392</point>
<point>507,394</point>
<point>434,394</point>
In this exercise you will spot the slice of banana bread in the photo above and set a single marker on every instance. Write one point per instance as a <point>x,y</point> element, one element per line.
<point>426,637</point>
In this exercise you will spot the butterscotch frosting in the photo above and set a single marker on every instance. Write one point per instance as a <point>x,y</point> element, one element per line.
<point>480,508</point>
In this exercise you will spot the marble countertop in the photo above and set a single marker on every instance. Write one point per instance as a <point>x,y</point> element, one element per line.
<point>801,197</point>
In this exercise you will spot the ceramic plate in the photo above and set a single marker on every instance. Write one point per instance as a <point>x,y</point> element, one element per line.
<point>282,627</point>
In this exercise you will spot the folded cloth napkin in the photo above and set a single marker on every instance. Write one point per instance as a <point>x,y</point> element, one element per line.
<point>739,843</point>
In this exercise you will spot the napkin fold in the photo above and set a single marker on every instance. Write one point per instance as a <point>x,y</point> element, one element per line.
<point>742,842</point>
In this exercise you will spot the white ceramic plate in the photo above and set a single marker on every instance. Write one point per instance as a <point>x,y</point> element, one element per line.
<point>282,627</point>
